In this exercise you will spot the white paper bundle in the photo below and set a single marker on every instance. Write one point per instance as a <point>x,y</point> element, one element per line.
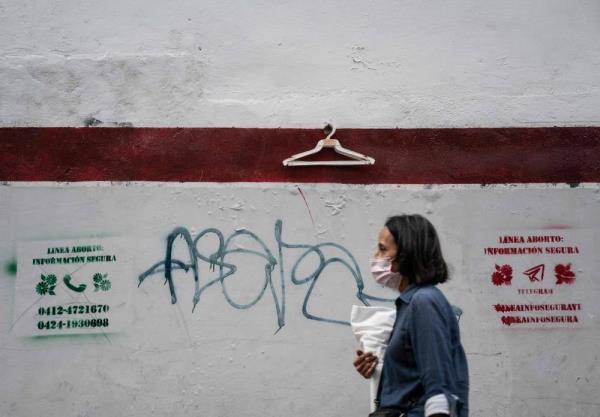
<point>372,327</point>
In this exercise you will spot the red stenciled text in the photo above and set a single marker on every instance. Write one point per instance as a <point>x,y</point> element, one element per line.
<point>503,308</point>
<point>530,239</point>
<point>510,320</point>
<point>534,291</point>
<point>533,250</point>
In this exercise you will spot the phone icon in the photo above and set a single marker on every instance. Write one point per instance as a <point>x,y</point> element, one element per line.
<point>79,288</point>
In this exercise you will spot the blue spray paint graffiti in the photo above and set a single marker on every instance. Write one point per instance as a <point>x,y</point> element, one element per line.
<point>217,260</point>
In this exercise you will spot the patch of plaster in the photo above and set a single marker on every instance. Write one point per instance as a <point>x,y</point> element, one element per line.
<point>336,206</point>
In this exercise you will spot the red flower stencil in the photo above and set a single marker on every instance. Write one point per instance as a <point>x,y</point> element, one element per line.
<point>563,274</point>
<point>502,275</point>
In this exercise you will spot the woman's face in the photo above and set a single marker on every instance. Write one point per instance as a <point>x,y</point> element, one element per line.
<point>386,247</point>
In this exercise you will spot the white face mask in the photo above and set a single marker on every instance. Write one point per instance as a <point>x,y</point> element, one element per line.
<point>381,269</point>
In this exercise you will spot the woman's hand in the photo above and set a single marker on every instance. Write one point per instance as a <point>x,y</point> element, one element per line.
<point>365,363</point>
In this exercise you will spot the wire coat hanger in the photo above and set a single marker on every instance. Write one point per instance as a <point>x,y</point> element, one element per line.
<point>355,158</point>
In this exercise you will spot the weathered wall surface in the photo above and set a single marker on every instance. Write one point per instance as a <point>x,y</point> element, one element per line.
<point>297,64</point>
<point>271,358</point>
<point>263,340</point>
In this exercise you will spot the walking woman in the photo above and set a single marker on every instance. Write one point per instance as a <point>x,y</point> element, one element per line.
<point>425,368</point>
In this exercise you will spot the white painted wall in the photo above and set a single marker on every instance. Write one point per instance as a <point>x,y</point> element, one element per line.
<point>220,361</point>
<point>288,63</point>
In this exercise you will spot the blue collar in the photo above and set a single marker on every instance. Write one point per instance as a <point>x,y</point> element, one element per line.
<point>407,294</point>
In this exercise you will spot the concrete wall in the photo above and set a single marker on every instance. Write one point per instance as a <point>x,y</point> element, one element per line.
<point>271,358</point>
<point>298,64</point>
<point>293,64</point>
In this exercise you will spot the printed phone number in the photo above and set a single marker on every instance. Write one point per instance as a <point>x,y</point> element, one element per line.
<point>71,324</point>
<point>73,309</point>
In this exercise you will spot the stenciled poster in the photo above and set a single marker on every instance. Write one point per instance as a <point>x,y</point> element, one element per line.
<point>536,278</point>
<point>72,287</point>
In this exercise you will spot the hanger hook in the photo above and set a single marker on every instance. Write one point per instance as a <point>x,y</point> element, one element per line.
<point>329,130</point>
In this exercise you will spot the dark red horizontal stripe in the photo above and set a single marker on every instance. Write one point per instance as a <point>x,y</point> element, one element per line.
<point>403,156</point>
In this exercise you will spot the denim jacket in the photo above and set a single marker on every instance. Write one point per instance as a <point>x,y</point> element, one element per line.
<point>424,356</point>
